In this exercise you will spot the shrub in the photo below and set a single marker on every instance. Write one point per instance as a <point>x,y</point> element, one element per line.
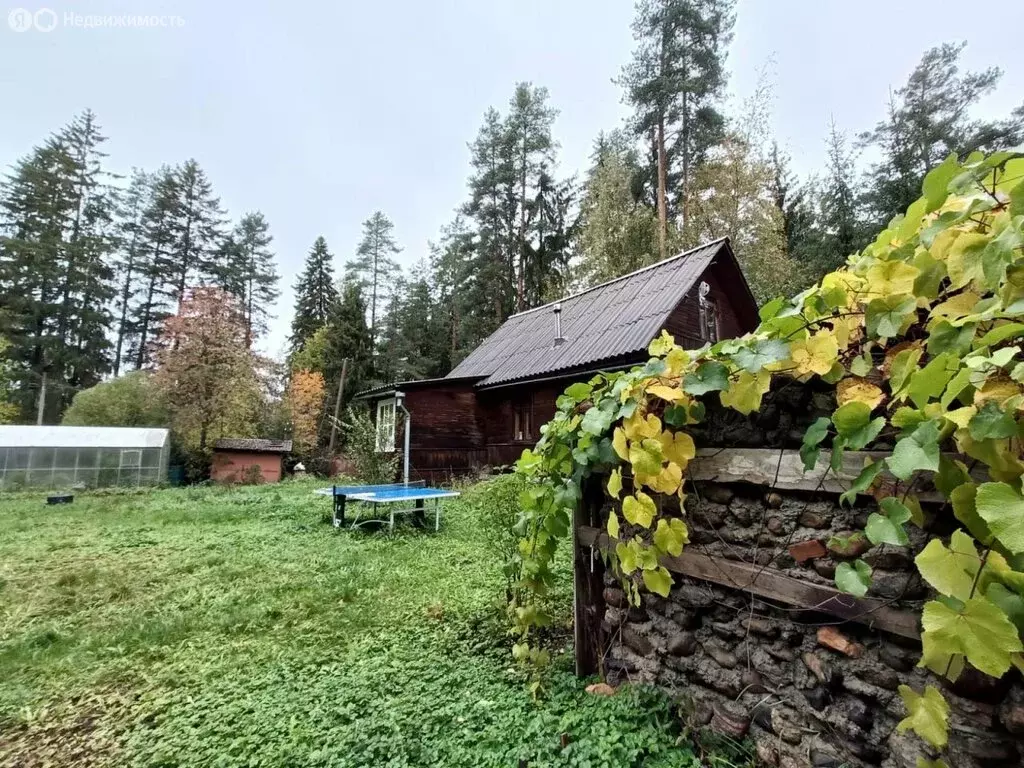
<point>497,505</point>
<point>371,465</point>
<point>127,401</point>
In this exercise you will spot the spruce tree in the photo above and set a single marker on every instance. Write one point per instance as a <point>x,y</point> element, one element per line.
<point>842,221</point>
<point>348,337</point>
<point>674,84</point>
<point>374,268</point>
<point>200,231</point>
<point>315,294</point>
<point>130,259</point>
<point>252,276</point>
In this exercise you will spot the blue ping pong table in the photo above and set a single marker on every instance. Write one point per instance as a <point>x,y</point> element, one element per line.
<point>415,493</point>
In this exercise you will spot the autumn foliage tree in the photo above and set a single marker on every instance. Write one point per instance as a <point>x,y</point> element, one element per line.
<point>305,399</point>
<point>206,372</point>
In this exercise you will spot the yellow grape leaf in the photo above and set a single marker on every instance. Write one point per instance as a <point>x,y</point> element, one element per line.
<point>959,306</point>
<point>744,394</point>
<point>660,346</point>
<point>842,283</point>
<point>665,392</point>
<point>671,535</point>
<point>964,260</point>
<point>676,360</point>
<point>979,630</point>
<point>637,426</point>
<point>927,715</point>
<point>961,416</point>
<point>856,389</point>
<point>848,329</point>
<point>677,447</point>
<point>639,509</point>
<point>615,483</point>
<point>619,444</point>
<point>613,524</point>
<point>646,456</point>
<point>943,242</point>
<point>887,278</point>
<point>667,481</point>
<point>815,354</point>
<point>997,390</point>
<point>924,763</point>
<point>658,581</point>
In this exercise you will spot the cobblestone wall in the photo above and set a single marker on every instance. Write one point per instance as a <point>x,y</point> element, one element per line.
<point>809,690</point>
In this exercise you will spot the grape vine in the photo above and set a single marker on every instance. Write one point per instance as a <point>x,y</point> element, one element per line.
<point>920,336</point>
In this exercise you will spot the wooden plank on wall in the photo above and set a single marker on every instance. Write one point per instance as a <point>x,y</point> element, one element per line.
<point>784,469</point>
<point>772,584</point>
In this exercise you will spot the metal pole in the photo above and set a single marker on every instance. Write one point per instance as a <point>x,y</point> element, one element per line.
<point>337,407</point>
<point>400,400</point>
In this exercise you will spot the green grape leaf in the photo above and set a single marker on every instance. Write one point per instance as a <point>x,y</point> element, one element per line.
<point>1009,602</point>
<point>675,415</point>
<point>885,316</point>
<point>813,438</point>
<point>854,424</point>
<point>927,715</point>
<point>951,570</point>
<point>992,422</point>
<point>1001,506</point>
<point>931,380</point>
<point>709,377</point>
<point>658,581</point>
<point>936,182</point>
<point>979,630</point>
<point>919,450</point>
<point>854,578</point>
<point>762,353</point>
<point>1000,333</point>
<point>862,482</point>
<point>861,365</point>
<point>596,421</point>
<point>639,509</point>
<point>627,557</point>
<point>579,391</point>
<point>946,337</point>
<point>902,366</point>
<point>888,528</point>
<point>670,536</point>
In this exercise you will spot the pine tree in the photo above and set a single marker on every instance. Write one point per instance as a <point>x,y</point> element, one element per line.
<point>374,267</point>
<point>928,118</point>
<point>253,276</point>
<point>491,207</point>
<point>796,204</point>
<point>674,83</point>
<point>528,133</point>
<point>130,263</point>
<point>315,294</point>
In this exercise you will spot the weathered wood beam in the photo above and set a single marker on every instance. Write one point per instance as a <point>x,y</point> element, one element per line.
<point>772,584</point>
<point>784,469</point>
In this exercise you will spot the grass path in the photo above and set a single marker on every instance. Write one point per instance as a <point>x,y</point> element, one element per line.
<point>231,627</point>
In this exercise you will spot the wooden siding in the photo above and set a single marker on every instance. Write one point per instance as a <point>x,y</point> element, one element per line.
<point>232,466</point>
<point>734,315</point>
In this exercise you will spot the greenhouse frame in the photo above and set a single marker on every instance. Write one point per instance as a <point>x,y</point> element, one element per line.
<point>82,457</point>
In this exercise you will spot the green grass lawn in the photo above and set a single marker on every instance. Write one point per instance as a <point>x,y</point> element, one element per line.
<point>232,627</point>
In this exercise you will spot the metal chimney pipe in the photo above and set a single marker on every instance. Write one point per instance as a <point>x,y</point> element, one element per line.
<point>558,324</point>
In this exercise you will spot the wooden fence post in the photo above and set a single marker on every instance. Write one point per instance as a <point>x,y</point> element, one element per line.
<point>588,583</point>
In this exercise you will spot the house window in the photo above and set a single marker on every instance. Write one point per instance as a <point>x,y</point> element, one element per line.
<point>707,314</point>
<point>386,426</point>
<point>522,429</point>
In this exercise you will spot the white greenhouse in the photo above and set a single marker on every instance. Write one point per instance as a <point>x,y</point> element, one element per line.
<point>82,457</point>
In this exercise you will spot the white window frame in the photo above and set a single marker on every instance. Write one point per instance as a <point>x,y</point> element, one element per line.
<point>386,417</point>
<point>137,452</point>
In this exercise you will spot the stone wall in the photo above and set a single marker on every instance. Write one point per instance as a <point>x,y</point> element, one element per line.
<point>809,689</point>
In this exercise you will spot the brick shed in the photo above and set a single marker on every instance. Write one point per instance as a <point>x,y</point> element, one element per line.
<point>236,460</point>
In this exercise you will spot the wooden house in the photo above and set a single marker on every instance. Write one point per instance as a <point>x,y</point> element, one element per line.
<point>492,405</point>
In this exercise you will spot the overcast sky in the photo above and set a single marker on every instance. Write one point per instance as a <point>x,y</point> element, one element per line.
<point>318,113</point>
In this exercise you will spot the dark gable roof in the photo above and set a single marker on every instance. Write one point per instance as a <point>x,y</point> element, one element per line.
<point>253,444</point>
<point>616,318</point>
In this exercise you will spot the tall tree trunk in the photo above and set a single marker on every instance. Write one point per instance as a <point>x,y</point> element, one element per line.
<point>662,189</point>
<point>521,280</point>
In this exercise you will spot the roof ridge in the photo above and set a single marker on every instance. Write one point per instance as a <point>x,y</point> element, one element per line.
<point>700,247</point>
